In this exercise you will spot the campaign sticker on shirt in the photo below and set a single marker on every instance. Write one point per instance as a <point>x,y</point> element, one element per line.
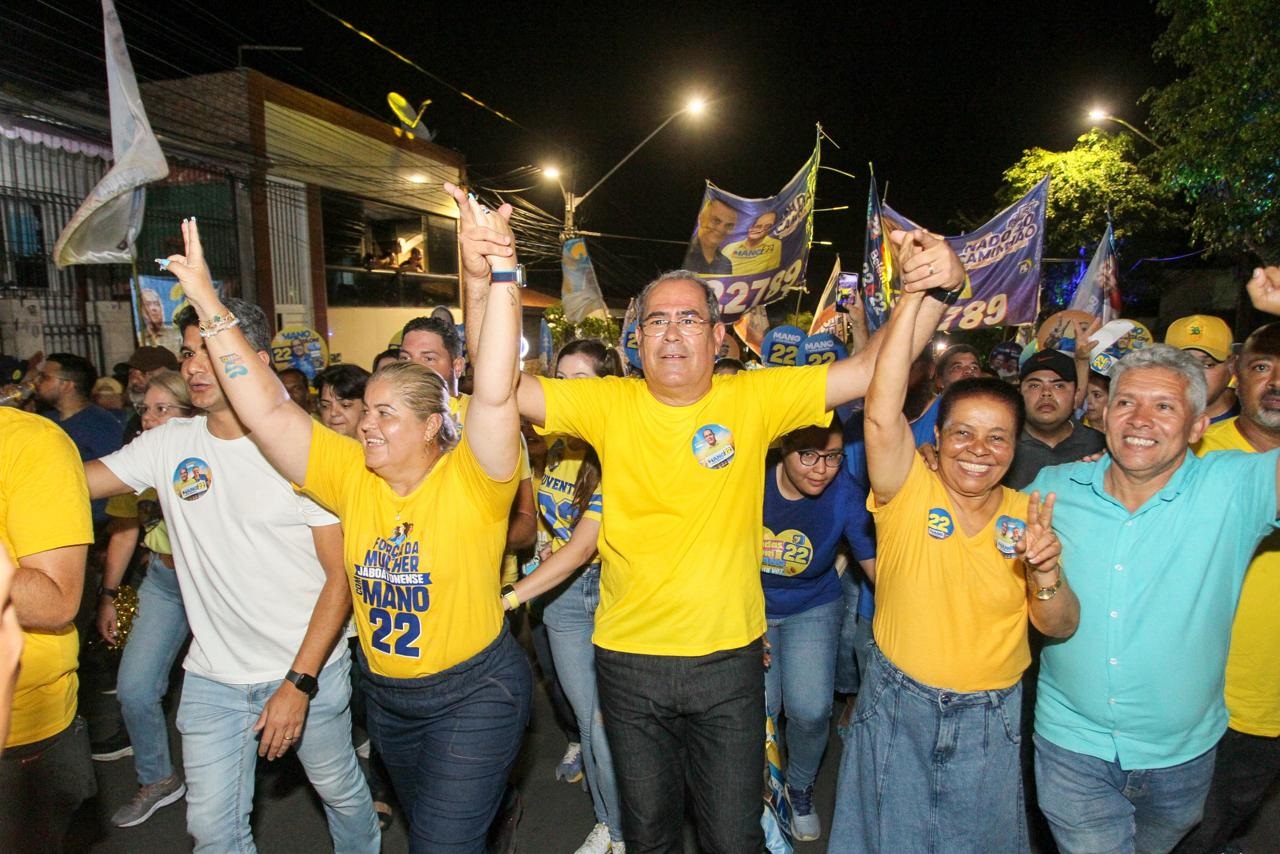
<point>1009,532</point>
<point>786,552</point>
<point>192,478</point>
<point>713,446</point>
<point>940,524</point>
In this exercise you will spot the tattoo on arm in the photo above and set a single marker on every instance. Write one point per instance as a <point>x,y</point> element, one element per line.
<point>511,295</point>
<point>233,366</point>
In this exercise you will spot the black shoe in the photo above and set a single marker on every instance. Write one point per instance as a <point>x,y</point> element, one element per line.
<point>116,746</point>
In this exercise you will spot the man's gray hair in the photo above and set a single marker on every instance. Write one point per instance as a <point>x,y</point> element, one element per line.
<point>713,303</point>
<point>1169,358</point>
<point>253,321</point>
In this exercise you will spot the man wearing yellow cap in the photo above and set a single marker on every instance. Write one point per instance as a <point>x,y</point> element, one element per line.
<point>1208,338</point>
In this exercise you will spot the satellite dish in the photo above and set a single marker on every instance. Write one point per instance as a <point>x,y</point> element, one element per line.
<point>410,120</point>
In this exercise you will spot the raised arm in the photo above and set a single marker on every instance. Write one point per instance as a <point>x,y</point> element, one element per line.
<point>278,426</point>
<point>890,446</point>
<point>493,422</point>
<point>1264,289</point>
<point>928,263</point>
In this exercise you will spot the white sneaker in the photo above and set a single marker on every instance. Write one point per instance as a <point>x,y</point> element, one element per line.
<point>617,847</point>
<point>597,841</point>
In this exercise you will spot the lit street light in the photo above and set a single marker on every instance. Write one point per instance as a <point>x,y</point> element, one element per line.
<point>695,106</point>
<point>1099,115</point>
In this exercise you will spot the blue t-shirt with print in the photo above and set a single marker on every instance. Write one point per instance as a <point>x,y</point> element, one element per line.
<point>801,537</point>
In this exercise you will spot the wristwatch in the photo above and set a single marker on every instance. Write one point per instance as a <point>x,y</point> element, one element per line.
<point>516,275</point>
<point>304,682</point>
<point>1043,593</point>
<point>510,599</point>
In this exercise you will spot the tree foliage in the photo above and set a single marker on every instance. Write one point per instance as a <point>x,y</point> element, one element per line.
<point>562,331</point>
<point>1100,174</point>
<point>1220,121</point>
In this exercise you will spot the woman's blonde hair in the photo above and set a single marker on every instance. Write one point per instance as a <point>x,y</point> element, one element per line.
<point>425,395</point>
<point>172,382</point>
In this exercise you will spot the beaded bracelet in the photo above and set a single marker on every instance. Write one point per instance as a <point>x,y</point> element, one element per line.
<point>218,323</point>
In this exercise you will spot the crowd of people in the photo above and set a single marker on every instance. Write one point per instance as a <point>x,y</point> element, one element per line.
<point>1042,589</point>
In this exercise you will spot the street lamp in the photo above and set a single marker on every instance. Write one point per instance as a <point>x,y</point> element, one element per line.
<point>695,106</point>
<point>1099,115</point>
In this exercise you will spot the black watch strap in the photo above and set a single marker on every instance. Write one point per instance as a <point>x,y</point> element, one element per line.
<point>304,682</point>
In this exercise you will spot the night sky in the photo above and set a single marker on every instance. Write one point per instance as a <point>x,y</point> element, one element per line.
<point>941,97</point>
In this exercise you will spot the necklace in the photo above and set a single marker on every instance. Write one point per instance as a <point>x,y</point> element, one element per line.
<point>401,500</point>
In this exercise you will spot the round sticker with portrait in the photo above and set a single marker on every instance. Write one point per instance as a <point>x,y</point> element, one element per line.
<point>1009,532</point>
<point>192,478</point>
<point>713,446</point>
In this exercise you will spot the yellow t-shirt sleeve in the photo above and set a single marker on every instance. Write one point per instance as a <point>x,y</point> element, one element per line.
<point>578,407</point>
<point>492,498</point>
<point>123,506</point>
<point>48,503</point>
<point>333,466</point>
<point>796,397</point>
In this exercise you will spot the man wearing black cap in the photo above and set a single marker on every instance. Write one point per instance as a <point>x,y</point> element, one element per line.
<point>144,364</point>
<point>1050,435</point>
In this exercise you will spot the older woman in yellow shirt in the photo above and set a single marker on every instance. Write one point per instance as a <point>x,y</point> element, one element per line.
<point>961,564</point>
<point>424,516</point>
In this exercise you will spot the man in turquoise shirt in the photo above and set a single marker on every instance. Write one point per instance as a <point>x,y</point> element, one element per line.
<point>1156,542</point>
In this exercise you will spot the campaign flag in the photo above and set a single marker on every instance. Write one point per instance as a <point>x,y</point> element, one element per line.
<point>1098,292</point>
<point>1002,259</point>
<point>752,251</point>
<point>826,316</point>
<point>751,328</point>
<point>105,227</point>
<point>877,263</point>
<point>579,289</point>
<point>782,347</point>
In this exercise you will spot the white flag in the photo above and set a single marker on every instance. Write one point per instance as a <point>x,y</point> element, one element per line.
<point>105,227</point>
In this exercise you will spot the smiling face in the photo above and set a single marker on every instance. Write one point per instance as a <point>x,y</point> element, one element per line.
<point>340,414</point>
<point>1150,422</point>
<point>679,364</point>
<point>760,228</point>
<point>976,445</point>
<point>395,438</point>
<point>1049,400</point>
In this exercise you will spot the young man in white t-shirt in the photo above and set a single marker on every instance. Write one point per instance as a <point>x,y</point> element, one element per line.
<point>261,573</point>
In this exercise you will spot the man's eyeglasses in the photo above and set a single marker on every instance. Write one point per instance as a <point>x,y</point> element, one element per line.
<point>161,409</point>
<point>656,327</point>
<point>831,458</point>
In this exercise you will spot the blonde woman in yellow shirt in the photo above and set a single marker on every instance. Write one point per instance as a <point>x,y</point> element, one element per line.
<point>961,563</point>
<point>424,517</point>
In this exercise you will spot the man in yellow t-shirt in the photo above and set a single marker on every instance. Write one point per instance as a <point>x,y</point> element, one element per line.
<point>759,253</point>
<point>45,771</point>
<point>1248,759</point>
<point>679,656</point>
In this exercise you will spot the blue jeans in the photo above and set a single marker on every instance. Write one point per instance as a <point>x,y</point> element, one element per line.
<point>220,754</point>
<point>158,633</point>
<point>687,721</point>
<point>800,680</point>
<point>570,619</point>
<point>449,740</point>
<point>929,770</point>
<point>847,671</point>
<point>1096,806</point>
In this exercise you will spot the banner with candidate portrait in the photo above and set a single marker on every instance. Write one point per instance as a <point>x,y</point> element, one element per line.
<point>753,251</point>
<point>159,299</point>
<point>1002,259</point>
